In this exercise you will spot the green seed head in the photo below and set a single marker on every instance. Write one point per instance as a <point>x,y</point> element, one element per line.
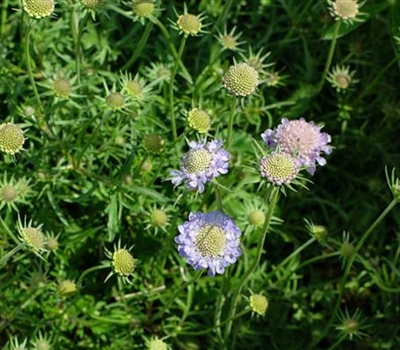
<point>143,8</point>
<point>241,79</point>
<point>256,217</point>
<point>33,237</point>
<point>11,138</point>
<point>258,304</point>
<point>29,111</point>
<point>38,8</point>
<point>158,218</point>
<point>156,344</point>
<point>199,120</point>
<point>197,161</point>
<point>93,5</point>
<point>66,288</point>
<point>346,249</point>
<point>153,143</point>
<point>351,326</point>
<point>115,101</point>
<point>52,243</point>
<point>133,88</point>
<point>146,166</point>
<point>189,24</point>
<point>62,88</point>
<point>211,240</point>
<point>123,262</point>
<point>9,193</point>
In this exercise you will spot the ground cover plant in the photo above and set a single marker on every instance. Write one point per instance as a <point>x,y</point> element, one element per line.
<point>199,175</point>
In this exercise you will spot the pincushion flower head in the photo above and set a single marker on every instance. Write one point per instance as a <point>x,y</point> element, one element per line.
<point>11,138</point>
<point>278,168</point>
<point>209,241</point>
<point>240,80</point>
<point>38,8</point>
<point>204,162</point>
<point>344,10</point>
<point>302,140</point>
<point>189,24</point>
<point>122,262</point>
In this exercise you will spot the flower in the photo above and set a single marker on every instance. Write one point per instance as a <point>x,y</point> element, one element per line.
<point>278,168</point>
<point>303,140</point>
<point>11,138</point>
<point>258,304</point>
<point>142,9</point>
<point>66,288</point>
<point>344,10</point>
<point>153,143</point>
<point>93,5</point>
<point>62,88</point>
<point>199,120</point>
<point>229,41</point>
<point>204,162</point>
<point>209,241</point>
<point>32,236</point>
<point>41,342</point>
<point>122,262</point>
<point>38,8</point>
<point>351,325</point>
<point>115,101</point>
<point>156,344</point>
<point>189,24</point>
<point>341,78</point>
<point>240,80</point>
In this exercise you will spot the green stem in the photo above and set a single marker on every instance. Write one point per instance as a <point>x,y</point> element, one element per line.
<point>140,46</point>
<point>273,200</point>
<point>11,253</point>
<point>86,272</point>
<point>173,298</point>
<point>3,28</point>
<point>230,124</point>
<point>171,87</point>
<point>339,341</point>
<point>330,56</point>
<point>29,67</point>
<point>349,264</point>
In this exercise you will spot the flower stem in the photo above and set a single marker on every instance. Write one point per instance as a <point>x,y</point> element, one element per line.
<point>29,67</point>
<point>349,264</point>
<point>171,87</point>
<point>273,200</point>
<point>330,56</point>
<point>230,125</point>
<point>11,253</point>
<point>86,272</point>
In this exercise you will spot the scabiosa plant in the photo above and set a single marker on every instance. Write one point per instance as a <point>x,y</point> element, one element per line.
<point>153,143</point>
<point>189,24</point>
<point>115,101</point>
<point>278,168</point>
<point>229,41</point>
<point>122,262</point>
<point>341,78</point>
<point>258,304</point>
<point>38,8</point>
<point>93,5</point>
<point>209,241</point>
<point>66,288</point>
<point>143,9</point>
<point>156,344</point>
<point>204,162</point>
<point>319,232</point>
<point>11,138</point>
<point>9,194</point>
<point>302,140</point>
<point>41,342</point>
<point>135,87</point>
<point>351,325</point>
<point>62,88</point>
<point>199,120</point>
<point>240,80</point>
<point>257,60</point>
<point>32,236</point>
<point>344,10</point>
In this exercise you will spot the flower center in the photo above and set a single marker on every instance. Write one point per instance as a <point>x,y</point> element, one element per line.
<point>256,217</point>
<point>241,79</point>
<point>189,24</point>
<point>11,138</point>
<point>211,240</point>
<point>123,262</point>
<point>197,161</point>
<point>342,80</point>
<point>143,8</point>
<point>346,8</point>
<point>133,88</point>
<point>33,237</point>
<point>199,120</point>
<point>9,193</point>
<point>278,168</point>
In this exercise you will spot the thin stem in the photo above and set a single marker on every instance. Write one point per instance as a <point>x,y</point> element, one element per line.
<point>173,298</point>
<point>11,253</point>
<point>86,272</point>
<point>265,229</point>
<point>171,87</point>
<point>29,67</point>
<point>3,28</point>
<point>330,56</point>
<point>140,46</point>
<point>349,264</point>
<point>230,125</point>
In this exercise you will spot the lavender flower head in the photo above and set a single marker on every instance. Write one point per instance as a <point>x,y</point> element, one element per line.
<point>209,240</point>
<point>303,140</point>
<point>204,162</point>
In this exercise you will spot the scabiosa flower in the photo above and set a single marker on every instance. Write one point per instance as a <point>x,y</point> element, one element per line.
<point>135,87</point>
<point>341,78</point>
<point>143,9</point>
<point>66,288</point>
<point>229,41</point>
<point>204,162</point>
<point>93,5</point>
<point>41,342</point>
<point>278,168</point>
<point>115,101</point>
<point>240,80</point>
<point>344,10</point>
<point>11,138</point>
<point>258,304</point>
<point>199,120</point>
<point>209,241</point>
<point>351,325</point>
<point>153,143</point>
<point>303,140</point>
<point>62,88</point>
<point>38,8</point>
<point>257,60</point>
<point>122,262</point>
<point>32,236</point>
<point>156,344</point>
<point>189,24</point>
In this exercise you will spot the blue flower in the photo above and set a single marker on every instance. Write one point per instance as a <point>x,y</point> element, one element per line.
<point>204,162</point>
<point>209,241</point>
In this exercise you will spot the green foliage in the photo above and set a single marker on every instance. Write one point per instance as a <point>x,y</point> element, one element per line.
<point>325,256</point>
